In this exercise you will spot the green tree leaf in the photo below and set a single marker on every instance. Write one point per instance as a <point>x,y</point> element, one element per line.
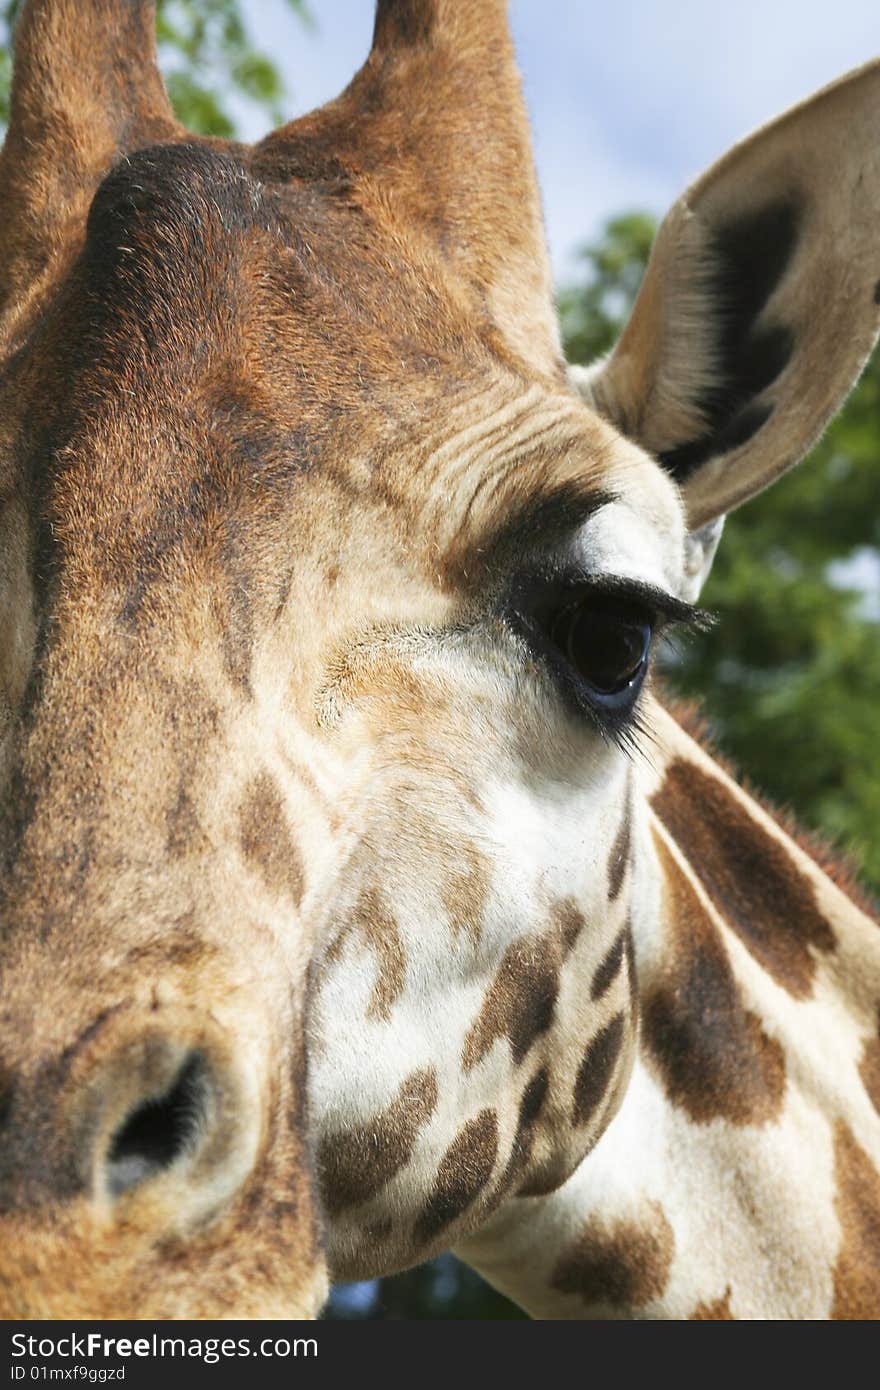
<point>207,56</point>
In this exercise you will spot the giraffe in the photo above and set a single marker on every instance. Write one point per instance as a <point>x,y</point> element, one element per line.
<point>707,1032</point>
<point>331,873</point>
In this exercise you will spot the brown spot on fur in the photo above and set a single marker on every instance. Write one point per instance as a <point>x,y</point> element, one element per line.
<point>877,293</point>
<point>869,1068</point>
<point>265,838</point>
<point>597,1069</point>
<point>569,922</point>
<point>520,1001</point>
<point>378,928</point>
<point>625,1264</point>
<point>530,1106</point>
<point>857,1271</point>
<point>551,1178</point>
<point>465,890</point>
<point>464,1171</point>
<point>620,852</point>
<point>748,874</point>
<point>522,998</point>
<point>713,1056</point>
<point>184,829</point>
<point>379,1231</point>
<point>833,862</point>
<point>717,1310</point>
<point>358,1162</point>
<point>609,968</point>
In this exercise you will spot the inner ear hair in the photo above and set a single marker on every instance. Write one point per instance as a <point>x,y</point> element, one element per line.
<point>747,259</point>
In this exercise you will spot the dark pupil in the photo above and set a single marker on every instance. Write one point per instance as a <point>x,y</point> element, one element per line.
<point>606,648</point>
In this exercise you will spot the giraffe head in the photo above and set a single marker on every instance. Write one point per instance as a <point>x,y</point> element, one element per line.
<point>326,606</point>
<point>476,1006</point>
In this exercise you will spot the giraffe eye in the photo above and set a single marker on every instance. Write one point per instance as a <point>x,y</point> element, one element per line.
<point>593,636</point>
<point>605,642</point>
<point>594,639</point>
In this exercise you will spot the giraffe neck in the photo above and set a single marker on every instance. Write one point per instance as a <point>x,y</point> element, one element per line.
<point>740,1176</point>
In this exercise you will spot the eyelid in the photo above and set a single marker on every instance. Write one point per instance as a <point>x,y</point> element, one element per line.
<point>665,606</point>
<point>666,609</point>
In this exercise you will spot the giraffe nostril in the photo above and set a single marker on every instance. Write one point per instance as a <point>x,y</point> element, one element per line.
<point>159,1130</point>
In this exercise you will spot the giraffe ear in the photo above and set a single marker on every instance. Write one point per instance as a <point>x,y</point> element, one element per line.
<point>760,304</point>
<point>85,90</point>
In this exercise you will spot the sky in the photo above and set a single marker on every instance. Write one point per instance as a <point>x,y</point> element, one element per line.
<point>629,100</point>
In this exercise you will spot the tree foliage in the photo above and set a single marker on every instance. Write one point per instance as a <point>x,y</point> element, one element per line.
<point>207,57</point>
<point>596,306</point>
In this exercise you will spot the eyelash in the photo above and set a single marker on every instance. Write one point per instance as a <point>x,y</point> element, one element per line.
<point>546,610</point>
